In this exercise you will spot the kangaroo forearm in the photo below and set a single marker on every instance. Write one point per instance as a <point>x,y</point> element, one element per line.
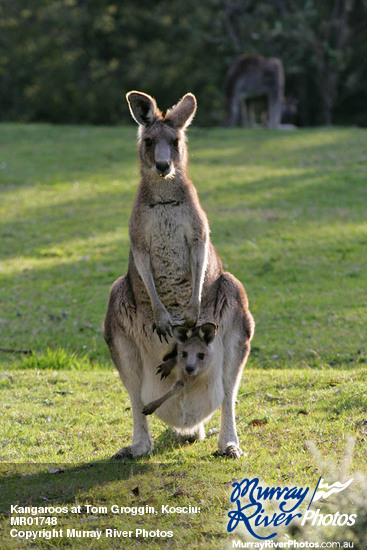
<point>144,268</point>
<point>199,261</point>
<point>176,388</point>
<point>154,405</point>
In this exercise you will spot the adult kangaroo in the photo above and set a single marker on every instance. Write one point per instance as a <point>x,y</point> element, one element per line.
<point>249,78</point>
<point>174,277</point>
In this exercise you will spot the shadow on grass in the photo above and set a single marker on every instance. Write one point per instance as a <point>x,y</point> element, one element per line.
<point>50,484</point>
<point>68,296</point>
<point>46,153</point>
<point>244,146</point>
<point>75,221</point>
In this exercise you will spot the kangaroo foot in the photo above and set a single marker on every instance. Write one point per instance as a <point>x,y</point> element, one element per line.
<point>231,451</point>
<point>197,434</point>
<point>133,451</point>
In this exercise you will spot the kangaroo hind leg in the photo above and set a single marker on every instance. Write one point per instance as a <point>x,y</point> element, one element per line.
<point>127,358</point>
<point>238,330</point>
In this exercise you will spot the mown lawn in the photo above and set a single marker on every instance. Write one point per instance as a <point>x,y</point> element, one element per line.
<point>288,214</point>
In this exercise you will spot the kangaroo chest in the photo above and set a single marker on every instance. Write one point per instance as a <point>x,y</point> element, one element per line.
<point>166,234</point>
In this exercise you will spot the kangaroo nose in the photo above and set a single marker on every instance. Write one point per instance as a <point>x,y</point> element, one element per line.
<point>162,166</point>
<point>189,369</point>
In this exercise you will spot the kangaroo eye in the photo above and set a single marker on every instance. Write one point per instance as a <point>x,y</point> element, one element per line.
<point>201,355</point>
<point>148,142</point>
<point>184,354</point>
<point>175,142</point>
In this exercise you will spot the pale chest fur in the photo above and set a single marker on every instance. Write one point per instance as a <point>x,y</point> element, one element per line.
<point>168,232</point>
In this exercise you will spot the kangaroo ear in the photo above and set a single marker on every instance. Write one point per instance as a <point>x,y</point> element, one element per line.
<point>143,108</point>
<point>182,114</point>
<point>207,332</point>
<point>181,333</point>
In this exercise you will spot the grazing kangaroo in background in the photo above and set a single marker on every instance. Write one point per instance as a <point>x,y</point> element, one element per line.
<point>191,358</point>
<point>251,77</point>
<point>174,276</point>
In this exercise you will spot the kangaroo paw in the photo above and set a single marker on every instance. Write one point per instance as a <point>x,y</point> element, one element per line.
<point>162,325</point>
<point>165,368</point>
<point>149,409</point>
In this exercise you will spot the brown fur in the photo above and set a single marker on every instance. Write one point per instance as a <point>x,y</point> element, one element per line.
<point>249,78</point>
<point>175,276</point>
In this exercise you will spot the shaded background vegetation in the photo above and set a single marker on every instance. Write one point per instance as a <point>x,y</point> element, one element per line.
<point>70,61</point>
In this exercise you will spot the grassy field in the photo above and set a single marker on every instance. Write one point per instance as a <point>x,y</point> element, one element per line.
<point>287,212</point>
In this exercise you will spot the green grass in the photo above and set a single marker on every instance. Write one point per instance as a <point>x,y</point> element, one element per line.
<point>287,212</point>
